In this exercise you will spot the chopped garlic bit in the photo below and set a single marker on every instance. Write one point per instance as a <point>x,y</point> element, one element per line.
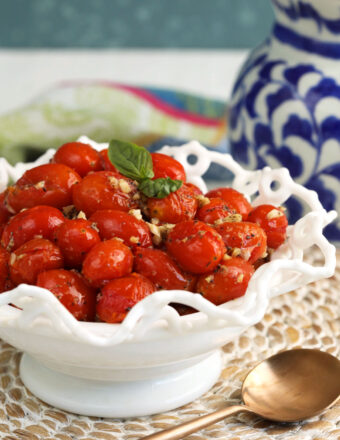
<point>209,279</point>
<point>159,232</point>
<point>119,239</point>
<point>134,239</point>
<point>166,228</point>
<point>40,184</point>
<point>236,252</point>
<point>124,186</point>
<point>202,200</point>
<point>136,196</point>
<point>154,229</point>
<point>240,278</point>
<point>95,226</point>
<point>12,259</point>
<point>113,181</point>
<point>274,213</point>
<point>155,221</point>
<point>226,257</point>
<point>232,218</point>
<point>82,215</point>
<point>245,254</point>
<point>137,213</point>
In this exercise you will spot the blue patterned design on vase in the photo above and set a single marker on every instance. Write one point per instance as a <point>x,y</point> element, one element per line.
<point>295,10</point>
<point>286,102</point>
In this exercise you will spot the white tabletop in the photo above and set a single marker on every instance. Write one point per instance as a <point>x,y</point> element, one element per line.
<point>24,74</point>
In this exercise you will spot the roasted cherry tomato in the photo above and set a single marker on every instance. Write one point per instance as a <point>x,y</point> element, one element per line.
<point>5,282</point>
<point>75,238</point>
<point>72,291</point>
<point>4,213</point>
<point>39,221</point>
<point>33,257</point>
<point>107,260</point>
<point>167,166</point>
<point>107,165</point>
<point>214,210</point>
<point>196,246</point>
<point>244,239</point>
<point>161,270</point>
<point>273,221</point>
<point>104,190</point>
<point>234,199</point>
<point>80,157</point>
<point>43,185</point>
<point>176,207</point>
<point>195,189</point>
<point>229,281</point>
<point>111,223</point>
<point>119,296</point>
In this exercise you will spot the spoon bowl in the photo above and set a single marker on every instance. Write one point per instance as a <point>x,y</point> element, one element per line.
<point>289,386</point>
<point>293,385</point>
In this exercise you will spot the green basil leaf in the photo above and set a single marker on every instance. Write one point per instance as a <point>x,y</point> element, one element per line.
<point>159,188</point>
<point>131,160</point>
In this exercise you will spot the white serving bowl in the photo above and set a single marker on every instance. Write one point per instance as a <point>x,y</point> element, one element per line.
<point>156,360</point>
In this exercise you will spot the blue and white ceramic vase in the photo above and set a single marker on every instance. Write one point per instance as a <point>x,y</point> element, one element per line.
<point>286,102</point>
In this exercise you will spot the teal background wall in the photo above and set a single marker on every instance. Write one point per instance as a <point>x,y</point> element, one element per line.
<point>134,23</point>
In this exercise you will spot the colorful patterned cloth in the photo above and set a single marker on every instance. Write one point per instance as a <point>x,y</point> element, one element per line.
<point>104,110</point>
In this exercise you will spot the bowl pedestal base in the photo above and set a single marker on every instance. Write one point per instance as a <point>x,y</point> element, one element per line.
<point>101,398</point>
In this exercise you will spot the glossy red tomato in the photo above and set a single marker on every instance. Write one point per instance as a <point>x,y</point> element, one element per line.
<point>195,189</point>
<point>107,260</point>
<point>246,240</point>
<point>106,163</point>
<point>104,190</point>
<point>72,291</point>
<point>39,221</point>
<point>43,185</point>
<point>33,257</point>
<point>176,207</point>
<point>161,269</point>
<point>4,213</point>
<point>75,238</point>
<point>133,231</point>
<point>5,282</point>
<point>229,281</point>
<point>167,166</point>
<point>80,157</point>
<point>196,246</point>
<point>119,296</point>
<point>234,199</point>
<point>215,210</point>
<point>273,221</point>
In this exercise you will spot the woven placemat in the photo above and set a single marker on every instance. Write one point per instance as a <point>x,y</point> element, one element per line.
<point>309,317</point>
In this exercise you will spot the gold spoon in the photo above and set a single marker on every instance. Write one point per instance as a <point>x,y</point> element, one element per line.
<point>289,386</point>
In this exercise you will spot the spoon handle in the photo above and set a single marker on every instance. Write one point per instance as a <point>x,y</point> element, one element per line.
<point>180,431</point>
